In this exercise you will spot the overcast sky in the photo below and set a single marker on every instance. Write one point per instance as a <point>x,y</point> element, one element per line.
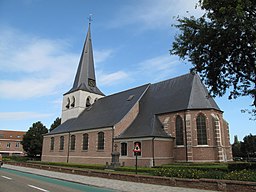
<point>41,43</point>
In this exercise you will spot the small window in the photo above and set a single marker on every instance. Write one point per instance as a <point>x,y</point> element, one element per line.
<point>201,130</point>
<point>139,144</point>
<point>88,102</point>
<point>179,131</point>
<point>52,143</point>
<point>73,102</point>
<point>17,145</point>
<point>100,141</point>
<point>8,145</point>
<point>130,98</point>
<point>68,103</point>
<point>123,149</point>
<point>73,142</point>
<point>85,141</point>
<point>62,143</point>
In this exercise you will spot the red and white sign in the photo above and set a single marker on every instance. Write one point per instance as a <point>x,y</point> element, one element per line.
<point>137,148</point>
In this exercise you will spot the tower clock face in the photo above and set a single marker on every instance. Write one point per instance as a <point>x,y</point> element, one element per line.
<point>91,82</point>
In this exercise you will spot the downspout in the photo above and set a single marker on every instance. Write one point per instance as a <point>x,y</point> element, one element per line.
<point>112,150</point>
<point>153,150</point>
<point>186,142</point>
<point>68,147</point>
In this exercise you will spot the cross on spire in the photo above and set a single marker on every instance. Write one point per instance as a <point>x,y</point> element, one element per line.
<point>90,18</point>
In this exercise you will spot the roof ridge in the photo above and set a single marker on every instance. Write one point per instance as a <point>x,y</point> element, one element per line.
<point>163,81</point>
<point>126,90</point>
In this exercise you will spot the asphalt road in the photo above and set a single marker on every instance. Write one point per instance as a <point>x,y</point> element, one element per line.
<point>16,181</point>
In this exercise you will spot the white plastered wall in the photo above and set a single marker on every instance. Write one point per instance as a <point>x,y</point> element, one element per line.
<point>79,104</point>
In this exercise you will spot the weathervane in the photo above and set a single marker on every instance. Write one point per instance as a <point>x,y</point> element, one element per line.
<point>90,18</point>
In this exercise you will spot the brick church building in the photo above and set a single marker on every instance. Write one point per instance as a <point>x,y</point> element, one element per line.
<point>171,121</point>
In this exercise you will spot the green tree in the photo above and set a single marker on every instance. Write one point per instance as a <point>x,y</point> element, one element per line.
<point>55,124</point>
<point>236,148</point>
<point>248,146</point>
<point>33,139</point>
<point>221,45</point>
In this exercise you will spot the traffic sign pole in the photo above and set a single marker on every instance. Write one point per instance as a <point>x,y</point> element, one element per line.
<point>136,164</point>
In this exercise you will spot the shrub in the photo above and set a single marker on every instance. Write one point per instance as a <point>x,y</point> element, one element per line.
<point>241,166</point>
<point>15,158</point>
<point>180,173</point>
<point>214,174</point>
<point>139,169</point>
<point>244,175</point>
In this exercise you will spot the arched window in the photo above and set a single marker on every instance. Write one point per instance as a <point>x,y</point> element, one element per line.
<point>201,129</point>
<point>73,102</point>
<point>123,149</point>
<point>61,142</point>
<point>100,141</point>
<point>73,142</point>
<point>52,143</point>
<point>68,103</point>
<point>85,141</point>
<point>88,101</point>
<point>179,131</point>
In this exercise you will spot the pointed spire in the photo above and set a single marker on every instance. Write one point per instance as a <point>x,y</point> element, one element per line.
<point>85,75</point>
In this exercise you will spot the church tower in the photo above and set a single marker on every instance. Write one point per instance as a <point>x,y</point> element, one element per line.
<point>84,91</point>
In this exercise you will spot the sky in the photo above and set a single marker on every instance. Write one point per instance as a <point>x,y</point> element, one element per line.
<point>41,42</point>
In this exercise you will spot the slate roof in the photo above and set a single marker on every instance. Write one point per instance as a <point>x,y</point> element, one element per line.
<point>85,69</point>
<point>177,94</point>
<point>105,112</point>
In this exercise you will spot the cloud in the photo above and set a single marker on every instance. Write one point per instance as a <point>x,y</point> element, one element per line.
<point>155,14</point>
<point>102,55</point>
<point>22,115</point>
<point>112,78</point>
<point>33,66</point>
<point>160,67</point>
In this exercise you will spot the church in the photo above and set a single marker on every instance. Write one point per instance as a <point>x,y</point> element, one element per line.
<point>170,121</point>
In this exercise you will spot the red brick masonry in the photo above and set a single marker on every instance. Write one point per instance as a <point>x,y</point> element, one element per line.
<point>208,184</point>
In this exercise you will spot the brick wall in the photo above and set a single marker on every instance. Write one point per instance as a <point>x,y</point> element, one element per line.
<point>154,152</point>
<point>218,146</point>
<point>90,156</point>
<point>127,120</point>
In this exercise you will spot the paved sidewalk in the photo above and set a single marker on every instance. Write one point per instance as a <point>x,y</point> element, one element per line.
<point>118,185</point>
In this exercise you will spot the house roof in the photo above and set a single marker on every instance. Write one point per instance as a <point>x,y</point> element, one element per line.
<point>177,94</point>
<point>105,112</point>
<point>85,70</point>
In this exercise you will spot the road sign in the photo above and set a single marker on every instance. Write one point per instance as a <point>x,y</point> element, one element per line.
<point>137,148</point>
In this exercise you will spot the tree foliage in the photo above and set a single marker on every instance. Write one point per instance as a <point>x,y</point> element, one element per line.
<point>248,146</point>
<point>236,148</point>
<point>221,45</point>
<point>55,124</point>
<point>33,139</point>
